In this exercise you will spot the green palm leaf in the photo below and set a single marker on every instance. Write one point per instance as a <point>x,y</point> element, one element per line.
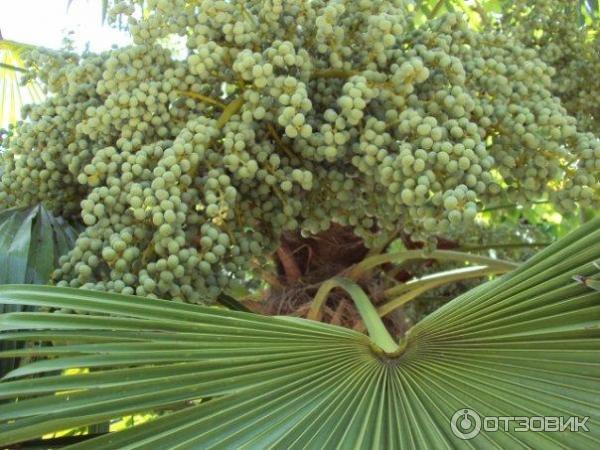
<point>526,344</point>
<point>13,95</point>
<point>31,241</point>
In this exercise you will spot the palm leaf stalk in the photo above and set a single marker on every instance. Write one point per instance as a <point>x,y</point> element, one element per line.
<point>525,344</point>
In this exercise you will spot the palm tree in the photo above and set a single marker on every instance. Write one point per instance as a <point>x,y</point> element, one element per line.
<point>526,344</point>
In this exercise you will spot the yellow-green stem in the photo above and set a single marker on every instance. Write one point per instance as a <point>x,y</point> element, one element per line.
<point>377,331</point>
<point>231,108</point>
<point>441,278</point>
<point>472,248</point>
<point>203,98</point>
<point>436,8</point>
<point>411,291</point>
<point>333,73</point>
<point>359,270</point>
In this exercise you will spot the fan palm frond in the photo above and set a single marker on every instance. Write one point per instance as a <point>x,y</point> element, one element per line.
<point>525,344</point>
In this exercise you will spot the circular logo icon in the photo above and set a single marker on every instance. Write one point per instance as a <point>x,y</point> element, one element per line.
<point>466,424</point>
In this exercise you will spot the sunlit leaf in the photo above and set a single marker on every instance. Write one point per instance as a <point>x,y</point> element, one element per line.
<point>13,95</point>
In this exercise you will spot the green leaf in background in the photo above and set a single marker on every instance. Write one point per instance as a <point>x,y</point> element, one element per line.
<point>31,241</point>
<point>526,344</point>
<point>13,95</point>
